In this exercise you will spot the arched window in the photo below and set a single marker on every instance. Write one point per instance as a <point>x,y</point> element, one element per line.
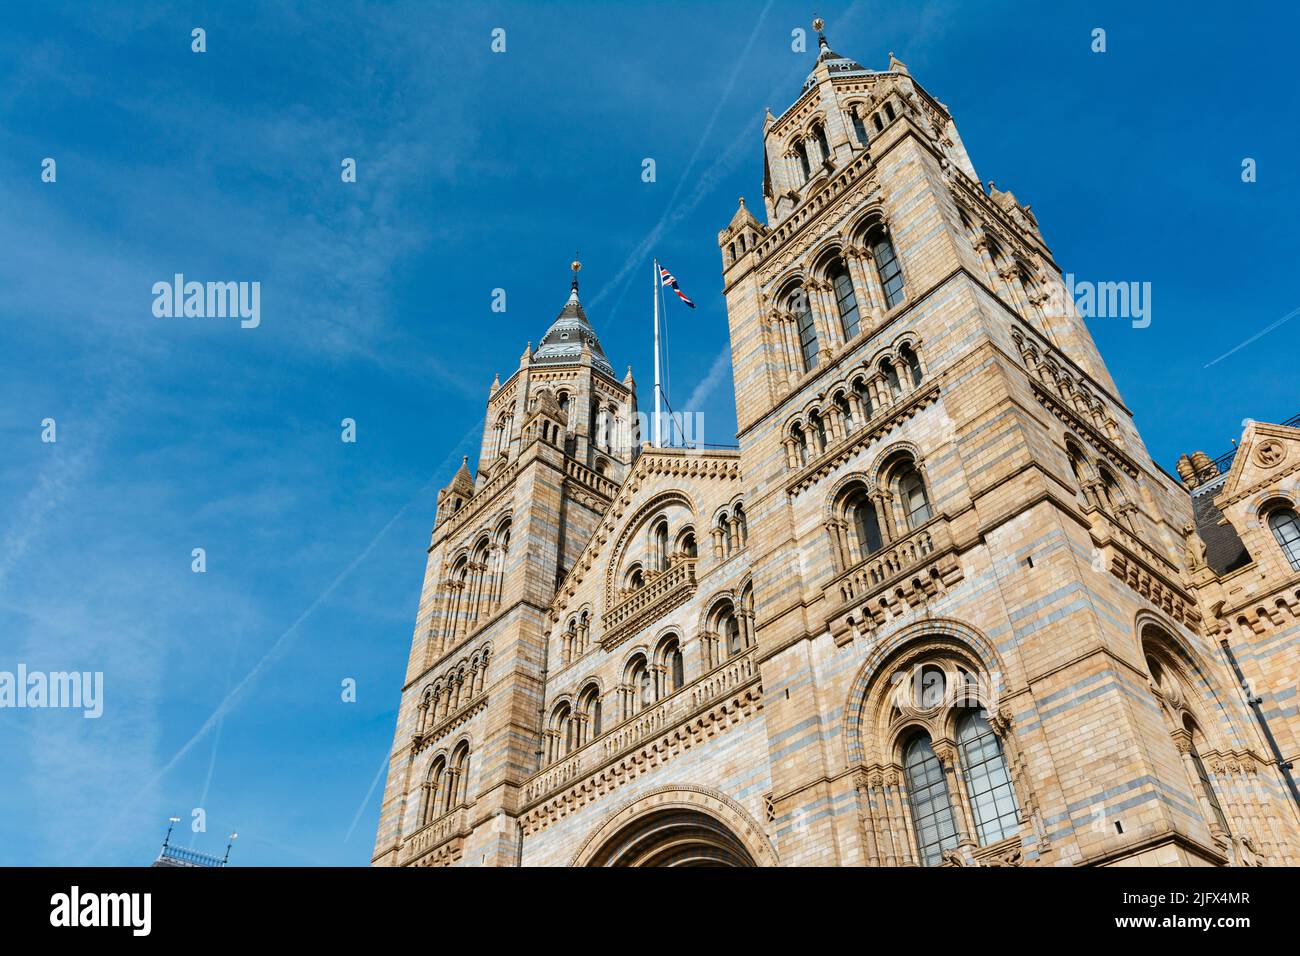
<point>889,110</point>
<point>845,300</point>
<point>819,429</point>
<point>859,128</point>
<point>570,649</point>
<point>927,791</point>
<point>866,523</point>
<point>908,355</point>
<point>635,578</point>
<point>891,273</point>
<point>661,546</point>
<point>864,396</point>
<point>891,377</point>
<point>670,658</point>
<point>1203,775</point>
<point>638,692</point>
<point>820,132</point>
<point>807,330</point>
<point>458,786</point>
<point>741,525</point>
<point>731,632</point>
<point>845,410</point>
<point>1286,529</point>
<point>988,784</point>
<point>1110,490</point>
<point>800,443</point>
<point>912,496</point>
<point>875,118</point>
<point>801,151</point>
<point>686,543</point>
<point>589,705</point>
<point>434,795</point>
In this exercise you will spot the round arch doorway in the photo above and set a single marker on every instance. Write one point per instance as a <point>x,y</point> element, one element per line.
<point>678,827</point>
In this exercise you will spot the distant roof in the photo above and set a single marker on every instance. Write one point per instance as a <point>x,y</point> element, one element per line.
<point>834,62</point>
<point>562,343</point>
<point>183,856</point>
<point>1224,551</point>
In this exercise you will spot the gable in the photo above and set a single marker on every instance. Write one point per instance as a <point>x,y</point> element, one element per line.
<point>685,477</point>
<point>1268,455</point>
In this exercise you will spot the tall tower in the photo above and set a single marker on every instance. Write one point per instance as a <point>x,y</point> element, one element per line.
<point>559,435</point>
<point>960,545</point>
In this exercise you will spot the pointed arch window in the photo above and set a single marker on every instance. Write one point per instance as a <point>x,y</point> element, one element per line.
<point>1286,529</point>
<point>807,329</point>
<point>889,270</point>
<point>845,300</point>
<point>927,792</point>
<point>988,783</point>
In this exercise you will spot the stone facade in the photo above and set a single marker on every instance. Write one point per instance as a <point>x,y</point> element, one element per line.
<point>940,608</point>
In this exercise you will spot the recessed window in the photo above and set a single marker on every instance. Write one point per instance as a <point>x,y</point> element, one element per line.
<point>1286,529</point>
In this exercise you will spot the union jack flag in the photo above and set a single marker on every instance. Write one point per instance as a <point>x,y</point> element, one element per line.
<point>669,281</point>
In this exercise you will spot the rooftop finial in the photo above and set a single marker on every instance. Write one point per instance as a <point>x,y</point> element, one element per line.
<point>576,266</point>
<point>819,25</point>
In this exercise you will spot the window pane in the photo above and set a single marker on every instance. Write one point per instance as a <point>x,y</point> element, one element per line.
<point>911,490</point>
<point>847,303</point>
<point>867,526</point>
<point>936,829</point>
<point>807,336</point>
<point>891,273</point>
<point>859,129</point>
<point>992,798</point>
<point>1286,528</point>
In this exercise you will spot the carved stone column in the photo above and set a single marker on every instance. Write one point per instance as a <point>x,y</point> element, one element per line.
<point>866,820</point>
<point>962,817</point>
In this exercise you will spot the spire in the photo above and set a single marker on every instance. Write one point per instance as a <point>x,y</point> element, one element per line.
<point>463,481</point>
<point>565,340</point>
<point>834,63</point>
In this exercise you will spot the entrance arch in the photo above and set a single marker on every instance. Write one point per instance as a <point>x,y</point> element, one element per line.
<point>678,826</point>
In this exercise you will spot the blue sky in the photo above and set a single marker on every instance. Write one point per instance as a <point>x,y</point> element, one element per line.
<point>477,171</point>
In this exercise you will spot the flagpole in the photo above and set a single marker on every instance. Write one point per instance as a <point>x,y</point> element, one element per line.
<point>654,289</point>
